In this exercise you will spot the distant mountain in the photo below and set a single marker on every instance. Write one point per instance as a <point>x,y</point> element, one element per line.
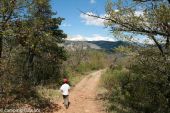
<point>99,45</point>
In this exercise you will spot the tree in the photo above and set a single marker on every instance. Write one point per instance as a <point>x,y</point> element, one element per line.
<point>39,34</point>
<point>153,20</point>
<point>144,88</point>
<point>30,51</point>
<point>78,53</point>
<point>9,11</point>
<point>6,12</point>
<point>30,39</point>
<point>149,0</point>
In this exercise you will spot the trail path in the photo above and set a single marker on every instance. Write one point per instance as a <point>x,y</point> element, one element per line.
<point>83,96</point>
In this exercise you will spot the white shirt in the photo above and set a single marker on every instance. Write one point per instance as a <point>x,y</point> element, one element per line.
<point>65,89</point>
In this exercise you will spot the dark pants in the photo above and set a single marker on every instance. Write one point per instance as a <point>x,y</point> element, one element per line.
<point>66,100</point>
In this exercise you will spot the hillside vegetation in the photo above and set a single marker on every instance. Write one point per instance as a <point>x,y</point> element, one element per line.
<point>139,81</point>
<point>138,84</point>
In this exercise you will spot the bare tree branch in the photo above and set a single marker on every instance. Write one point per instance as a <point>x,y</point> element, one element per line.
<point>129,27</point>
<point>158,45</point>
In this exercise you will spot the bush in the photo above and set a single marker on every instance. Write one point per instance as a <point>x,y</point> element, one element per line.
<point>114,81</point>
<point>141,88</point>
<point>92,60</point>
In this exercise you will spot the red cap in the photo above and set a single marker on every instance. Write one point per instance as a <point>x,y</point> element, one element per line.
<point>65,80</point>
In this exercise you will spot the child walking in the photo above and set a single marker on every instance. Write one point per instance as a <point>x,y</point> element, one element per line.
<point>65,92</point>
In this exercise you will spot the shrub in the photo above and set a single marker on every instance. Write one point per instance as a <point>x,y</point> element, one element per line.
<point>141,88</point>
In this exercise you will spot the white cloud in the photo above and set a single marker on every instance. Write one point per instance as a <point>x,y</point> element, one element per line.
<point>97,37</point>
<point>139,13</point>
<point>66,25</point>
<point>76,38</point>
<point>92,1</point>
<point>94,37</point>
<point>89,20</point>
<point>116,10</point>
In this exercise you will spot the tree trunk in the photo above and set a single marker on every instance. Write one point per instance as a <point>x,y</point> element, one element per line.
<point>1,45</point>
<point>1,41</point>
<point>30,64</point>
<point>158,45</point>
<point>167,43</point>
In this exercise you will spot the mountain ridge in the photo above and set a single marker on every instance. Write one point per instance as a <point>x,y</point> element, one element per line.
<point>99,45</point>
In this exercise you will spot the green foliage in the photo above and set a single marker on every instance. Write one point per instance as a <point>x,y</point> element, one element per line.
<point>140,87</point>
<point>125,21</point>
<point>149,80</point>
<point>144,88</point>
<point>30,51</point>
<point>92,60</point>
<point>48,93</point>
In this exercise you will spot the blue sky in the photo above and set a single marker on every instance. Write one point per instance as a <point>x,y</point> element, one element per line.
<point>79,26</point>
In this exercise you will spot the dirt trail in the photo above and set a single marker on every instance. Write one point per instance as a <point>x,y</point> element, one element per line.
<point>83,96</point>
